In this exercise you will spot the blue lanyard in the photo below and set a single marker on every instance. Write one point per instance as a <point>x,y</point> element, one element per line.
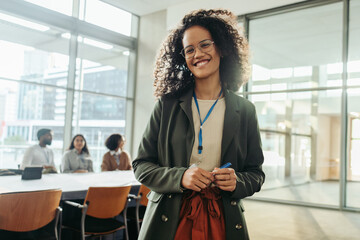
<point>200,147</point>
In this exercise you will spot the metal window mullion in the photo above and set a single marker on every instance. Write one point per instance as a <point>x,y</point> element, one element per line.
<point>130,103</point>
<point>131,87</point>
<point>300,90</point>
<point>69,107</point>
<point>289,8</point>
<point>344,106</point>
<point>273,131</point>
<point>295,90</point>
<point>76,8</point>
<point>64,88</point>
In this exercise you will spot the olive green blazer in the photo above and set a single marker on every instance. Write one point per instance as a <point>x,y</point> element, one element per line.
<point>164,155</point>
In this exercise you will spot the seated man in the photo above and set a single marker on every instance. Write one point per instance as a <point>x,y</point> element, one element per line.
<point>40,154</point>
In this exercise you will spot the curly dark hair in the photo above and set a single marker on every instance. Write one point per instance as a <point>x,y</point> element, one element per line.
<point>173,77</point>
<point>112,142</point>
<point>84,149</point>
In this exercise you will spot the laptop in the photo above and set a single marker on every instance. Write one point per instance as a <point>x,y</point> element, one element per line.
<point>30,173</point>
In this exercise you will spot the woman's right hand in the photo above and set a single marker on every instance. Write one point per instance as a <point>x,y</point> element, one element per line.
<point>196,179</point>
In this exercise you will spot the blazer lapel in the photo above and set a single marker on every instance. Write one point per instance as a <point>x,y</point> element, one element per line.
<point>231,121</point>
<point>185,103</point>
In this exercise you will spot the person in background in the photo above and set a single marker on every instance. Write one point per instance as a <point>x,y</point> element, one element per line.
<point>116,158</point>
<point>77,158</point>
<point>40,154</point>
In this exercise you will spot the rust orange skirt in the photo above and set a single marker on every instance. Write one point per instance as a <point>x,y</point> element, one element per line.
<point>201,216</point>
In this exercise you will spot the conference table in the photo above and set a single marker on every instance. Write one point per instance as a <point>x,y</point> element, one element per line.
<point>73,185</point>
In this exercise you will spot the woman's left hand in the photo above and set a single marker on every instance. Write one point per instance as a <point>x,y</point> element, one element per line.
<point>225,179</point>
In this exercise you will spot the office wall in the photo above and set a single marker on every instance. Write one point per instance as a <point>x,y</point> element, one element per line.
<point>152,31</point>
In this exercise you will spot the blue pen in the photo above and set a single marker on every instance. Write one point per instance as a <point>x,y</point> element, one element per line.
<point>226,165</point>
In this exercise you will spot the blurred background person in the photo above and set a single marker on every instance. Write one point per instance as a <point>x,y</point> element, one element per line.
<point>116,158</point>
<point>77,158</point>
<point>40,154</point>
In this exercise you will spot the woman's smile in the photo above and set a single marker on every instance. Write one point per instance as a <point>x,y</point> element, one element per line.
<point>201,63</point>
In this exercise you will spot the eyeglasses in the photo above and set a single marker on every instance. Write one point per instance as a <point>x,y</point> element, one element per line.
<point>204,46</point>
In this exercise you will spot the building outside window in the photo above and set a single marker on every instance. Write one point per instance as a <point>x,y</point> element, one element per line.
<point>39,85</point>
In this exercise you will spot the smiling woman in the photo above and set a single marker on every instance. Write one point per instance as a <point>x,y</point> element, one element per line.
<point>198,125</point>
<point>172,74</point>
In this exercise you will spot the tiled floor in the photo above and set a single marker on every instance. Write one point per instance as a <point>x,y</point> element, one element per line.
<point>272,221</point>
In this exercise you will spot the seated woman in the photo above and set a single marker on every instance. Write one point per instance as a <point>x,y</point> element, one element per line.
<point>77,158</point>
<point>116,158</point>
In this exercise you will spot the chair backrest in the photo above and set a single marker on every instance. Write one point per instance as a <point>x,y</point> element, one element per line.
<point>143,191</point>
<point>106,202</point>
<point>28,211</point>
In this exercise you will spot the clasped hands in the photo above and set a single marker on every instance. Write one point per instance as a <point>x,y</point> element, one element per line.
<point>197,179</point>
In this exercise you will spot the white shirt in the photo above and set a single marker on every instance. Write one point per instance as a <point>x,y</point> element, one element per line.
<point>38,156</point>
<point>116,155</point>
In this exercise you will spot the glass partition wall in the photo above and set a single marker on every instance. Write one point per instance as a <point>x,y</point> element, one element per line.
<point>353,114</point>
<point>63,68</point>
<point>297,86</point>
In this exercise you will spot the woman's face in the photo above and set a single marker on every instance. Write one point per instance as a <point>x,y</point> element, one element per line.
<point>203,64</point>
<point>122,143</point>
<point>79,143</point>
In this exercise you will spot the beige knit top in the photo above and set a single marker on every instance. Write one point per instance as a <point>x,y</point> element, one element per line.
<point>212,131</point>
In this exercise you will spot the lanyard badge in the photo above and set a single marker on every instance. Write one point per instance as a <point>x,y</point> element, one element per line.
<point>200,147</point>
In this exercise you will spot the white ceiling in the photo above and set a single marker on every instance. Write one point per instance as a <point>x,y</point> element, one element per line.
<point>143,7</point>
<point>176,9</point>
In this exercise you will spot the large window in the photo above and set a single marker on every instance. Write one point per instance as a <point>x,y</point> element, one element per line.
<point>63,6</point>
<point>297,88</point>
<point>301,139</point>
<point>71,85</point>
<point>24,109</point>
<point>97,117</point>
<point>33,77</point>
<point>102,69</point>
<point>106,16</point>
